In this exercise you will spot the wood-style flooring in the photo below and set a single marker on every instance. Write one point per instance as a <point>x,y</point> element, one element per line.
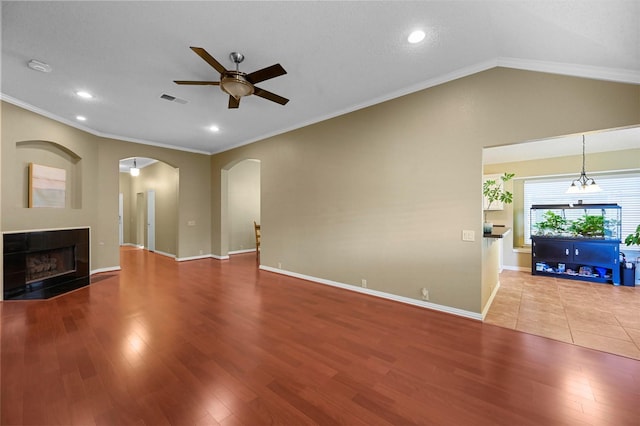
<point>212,342</point>
<point>598,316</point>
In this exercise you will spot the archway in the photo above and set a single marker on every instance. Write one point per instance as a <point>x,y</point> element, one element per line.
<point>149,205</point>
<point>240,206</point>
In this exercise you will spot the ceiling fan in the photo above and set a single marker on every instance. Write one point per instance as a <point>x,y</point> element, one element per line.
<point>237,83</point>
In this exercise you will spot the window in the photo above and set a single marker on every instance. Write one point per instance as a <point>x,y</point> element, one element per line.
<point>623,189</point>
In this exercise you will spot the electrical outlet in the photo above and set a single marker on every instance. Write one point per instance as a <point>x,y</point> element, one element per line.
<point>364,283</point>
<point>468,235</point>
<point>279,265</point>
<point>425,294</point>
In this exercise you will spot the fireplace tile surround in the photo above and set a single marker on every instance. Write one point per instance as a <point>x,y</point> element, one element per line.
<point>45,263</point>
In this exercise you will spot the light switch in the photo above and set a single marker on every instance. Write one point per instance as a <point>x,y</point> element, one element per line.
<point>191,223</point>
<point>468,235</point>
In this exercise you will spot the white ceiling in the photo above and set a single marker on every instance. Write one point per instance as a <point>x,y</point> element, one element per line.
<point>340,56</point>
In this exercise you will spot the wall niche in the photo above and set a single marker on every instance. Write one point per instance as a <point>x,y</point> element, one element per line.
<point>50,154</point>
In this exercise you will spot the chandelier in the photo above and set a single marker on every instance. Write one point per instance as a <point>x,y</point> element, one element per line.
<point>583,183</point>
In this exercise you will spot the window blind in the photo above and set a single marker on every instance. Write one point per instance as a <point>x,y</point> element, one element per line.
<point>623,189</point>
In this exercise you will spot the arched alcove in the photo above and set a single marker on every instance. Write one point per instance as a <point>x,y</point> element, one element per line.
<point>51,154</point>
<point>240,205</point>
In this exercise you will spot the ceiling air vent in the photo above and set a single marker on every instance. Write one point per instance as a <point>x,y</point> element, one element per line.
<point>172,99</point>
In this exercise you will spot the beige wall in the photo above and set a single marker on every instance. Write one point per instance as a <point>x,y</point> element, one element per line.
<point>193,191</point>
<point>380,194</point>
<point>127,203</point>
<point>98,167</point>
<point>28,137</point>
<point>513,214</point>
<point>244,204</point>
<point>384,193</point>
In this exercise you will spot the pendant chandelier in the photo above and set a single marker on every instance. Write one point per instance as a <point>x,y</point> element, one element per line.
<point>135,171</point>
<point>583,183</point>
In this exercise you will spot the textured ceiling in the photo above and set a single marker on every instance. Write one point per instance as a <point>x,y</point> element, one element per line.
<point>340,56</point>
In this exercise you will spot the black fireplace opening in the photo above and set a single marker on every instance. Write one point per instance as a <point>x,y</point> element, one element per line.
<point>50,263</point>
<point>43,264</point>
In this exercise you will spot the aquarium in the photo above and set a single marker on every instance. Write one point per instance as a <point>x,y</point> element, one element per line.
<point>586,221</point>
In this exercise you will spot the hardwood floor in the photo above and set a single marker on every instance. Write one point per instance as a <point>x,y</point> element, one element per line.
<point>211,342</point>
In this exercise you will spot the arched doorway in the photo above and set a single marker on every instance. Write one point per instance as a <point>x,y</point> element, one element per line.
<point>148,207</point>
<point>240,206</point>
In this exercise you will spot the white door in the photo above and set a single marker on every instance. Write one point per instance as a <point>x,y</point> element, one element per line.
<point>151,220</point>
<point>121,218</point>
<point>140,222</point>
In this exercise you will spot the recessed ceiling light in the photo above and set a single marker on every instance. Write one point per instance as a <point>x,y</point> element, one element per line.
<point>214,128</point>
<point>39,66</point>
<point>416,37</point>
<point>81,118</point>
<point>83,94</point>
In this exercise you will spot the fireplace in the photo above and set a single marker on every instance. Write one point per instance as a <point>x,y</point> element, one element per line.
<point>50,263</point>
<point>43,264</point>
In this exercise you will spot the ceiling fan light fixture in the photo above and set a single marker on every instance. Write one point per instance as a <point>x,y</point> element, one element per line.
<point>236,85</point>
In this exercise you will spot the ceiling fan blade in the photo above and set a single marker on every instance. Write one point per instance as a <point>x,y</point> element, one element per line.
<point>198,83</point>
<point>209,59</point>
<point>270,96</point>
<point>233,102</point>
<point>266,73</point>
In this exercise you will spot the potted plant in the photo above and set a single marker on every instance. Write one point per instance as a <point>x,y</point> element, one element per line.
<point>493,191</point>
<point>633,239</point>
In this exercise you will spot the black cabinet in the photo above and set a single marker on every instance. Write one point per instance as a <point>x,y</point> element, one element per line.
<point>594,260</point>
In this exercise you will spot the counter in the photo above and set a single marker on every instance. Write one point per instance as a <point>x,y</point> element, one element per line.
<point>498,231</point>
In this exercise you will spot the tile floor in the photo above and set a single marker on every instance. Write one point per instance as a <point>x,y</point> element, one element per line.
<point>597,316</point>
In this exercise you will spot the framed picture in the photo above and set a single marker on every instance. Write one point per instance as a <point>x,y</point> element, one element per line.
<point>47,186</point>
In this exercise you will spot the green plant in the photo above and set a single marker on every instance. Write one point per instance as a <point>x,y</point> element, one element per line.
<point>633,239</point>
<point>588,226</point>
<point>494,191</point>
<point>553,223</point>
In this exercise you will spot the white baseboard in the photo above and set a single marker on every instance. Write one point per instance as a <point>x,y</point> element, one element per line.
<point>516,268</point>
<point>215,256</point>
<point>242,251</point>
<point>108,269</point>
<point>485,311</point>
<point>164,254</point>
<point>132,245</point>
<point>383,295</point>
<point>202,256</point>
